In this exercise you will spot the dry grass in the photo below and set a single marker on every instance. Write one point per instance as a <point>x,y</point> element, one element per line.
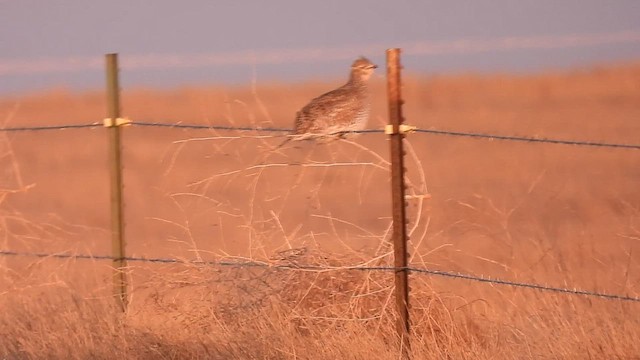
<point>202,312</point>
<point>552,214</point>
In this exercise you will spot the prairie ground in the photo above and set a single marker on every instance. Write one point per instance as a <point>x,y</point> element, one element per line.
<point>566,216</point>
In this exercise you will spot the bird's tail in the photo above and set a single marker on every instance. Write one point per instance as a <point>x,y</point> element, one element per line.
<point>293,136</point>
<point>282,143</point>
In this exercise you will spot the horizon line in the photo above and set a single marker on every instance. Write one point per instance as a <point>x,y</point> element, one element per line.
<point>305,55</point>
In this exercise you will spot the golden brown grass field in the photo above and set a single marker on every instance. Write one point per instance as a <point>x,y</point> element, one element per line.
<point>566,216</point>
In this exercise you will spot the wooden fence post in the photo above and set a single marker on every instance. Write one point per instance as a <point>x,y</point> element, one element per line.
<point>113,123</point>
<point>398,198</point>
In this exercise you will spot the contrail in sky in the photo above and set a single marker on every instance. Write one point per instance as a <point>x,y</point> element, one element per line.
<point>284,56</point>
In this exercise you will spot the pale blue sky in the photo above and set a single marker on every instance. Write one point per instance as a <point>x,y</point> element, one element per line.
<point>320,36</point>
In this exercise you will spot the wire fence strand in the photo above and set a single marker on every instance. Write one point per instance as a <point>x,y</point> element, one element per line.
<point>528,139</point>
<point>210,127</point>
<point>415,270</point>
<point>286,131</point>
<point>50,127</point>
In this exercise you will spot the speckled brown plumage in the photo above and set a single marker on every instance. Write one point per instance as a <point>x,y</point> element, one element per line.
<point>343,109</point>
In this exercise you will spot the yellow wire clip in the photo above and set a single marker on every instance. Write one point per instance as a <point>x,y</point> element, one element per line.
<point>418,197</point>
<point>109,122</point>
<point>404,129</point>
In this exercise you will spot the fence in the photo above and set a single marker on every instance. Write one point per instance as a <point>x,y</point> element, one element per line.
<point>396,132</point>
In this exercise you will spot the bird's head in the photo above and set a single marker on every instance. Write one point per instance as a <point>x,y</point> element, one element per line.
<point>362,69</point>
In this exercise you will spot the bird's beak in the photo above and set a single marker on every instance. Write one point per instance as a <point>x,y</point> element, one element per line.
<point>374,66</point>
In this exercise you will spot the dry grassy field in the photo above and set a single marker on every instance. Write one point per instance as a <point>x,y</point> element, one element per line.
<point>561,215</point>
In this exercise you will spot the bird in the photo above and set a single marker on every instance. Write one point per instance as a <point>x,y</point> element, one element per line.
<point>339,111</point>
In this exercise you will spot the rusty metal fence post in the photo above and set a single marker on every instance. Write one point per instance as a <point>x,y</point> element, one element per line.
<point>113,123</point>
<point>396,137</point>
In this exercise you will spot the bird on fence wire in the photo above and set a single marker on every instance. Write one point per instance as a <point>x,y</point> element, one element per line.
<point>339,111</point>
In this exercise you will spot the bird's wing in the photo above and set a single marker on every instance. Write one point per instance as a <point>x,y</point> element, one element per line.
<point>322,111</point>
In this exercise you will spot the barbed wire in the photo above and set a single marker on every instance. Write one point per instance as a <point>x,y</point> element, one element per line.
<point>285,131</point>
<point>527,139</point>
<point>50,127</point>
<point>211,127</point>
<point>240,264</point>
